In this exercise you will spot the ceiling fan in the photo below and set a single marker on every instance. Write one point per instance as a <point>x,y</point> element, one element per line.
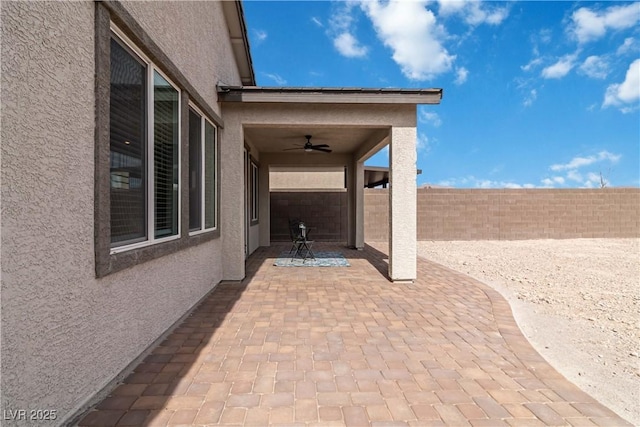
<point>309,147</point>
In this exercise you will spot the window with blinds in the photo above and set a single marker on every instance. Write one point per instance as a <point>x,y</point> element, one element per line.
<point>202,173</point>
<point>144,150</point>
<point>165,156</point>
<point>195,174</point>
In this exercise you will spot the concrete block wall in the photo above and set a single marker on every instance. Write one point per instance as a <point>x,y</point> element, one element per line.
<point>325,212</point>
<point>513,214</point>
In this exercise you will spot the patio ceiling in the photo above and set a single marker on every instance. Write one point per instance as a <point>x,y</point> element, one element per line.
<point>342,140</point>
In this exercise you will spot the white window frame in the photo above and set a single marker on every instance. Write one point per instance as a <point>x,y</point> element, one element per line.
<point>150,160</point>
<point>203,191</point>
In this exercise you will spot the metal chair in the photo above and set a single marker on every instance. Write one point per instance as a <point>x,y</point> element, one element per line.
<point>300,242</point>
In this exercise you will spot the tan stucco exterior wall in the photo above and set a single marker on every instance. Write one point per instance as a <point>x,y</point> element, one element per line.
<point>198,41</point>
<point>66,334</point>
<point>315,178</point>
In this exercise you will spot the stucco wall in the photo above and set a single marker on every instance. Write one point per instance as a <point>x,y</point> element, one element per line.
<point>465,214</point>
<point>65,334</point>
<point>198,41</point>
<point>296,178</point>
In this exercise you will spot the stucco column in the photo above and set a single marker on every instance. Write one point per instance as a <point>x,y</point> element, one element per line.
<point>351,202</point>
<point>402,204</point>
<point>264,205</point>
<point>359,201</point>
<point>232,199</point>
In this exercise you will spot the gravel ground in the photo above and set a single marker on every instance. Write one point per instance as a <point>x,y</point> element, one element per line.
<point>576,300</point>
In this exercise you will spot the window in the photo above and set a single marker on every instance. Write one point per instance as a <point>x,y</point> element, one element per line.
<point>202,173</point>
<point>144,151</point>
<point>141,157</point>
<point>254,192</point>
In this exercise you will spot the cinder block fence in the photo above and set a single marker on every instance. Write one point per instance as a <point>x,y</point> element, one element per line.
<point>512,214</point>
<point>324,211</point>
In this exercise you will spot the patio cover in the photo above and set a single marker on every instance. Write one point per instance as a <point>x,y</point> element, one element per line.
<point>357,122</point>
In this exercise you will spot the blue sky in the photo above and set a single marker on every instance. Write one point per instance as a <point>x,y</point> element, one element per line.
<point>536,94</point>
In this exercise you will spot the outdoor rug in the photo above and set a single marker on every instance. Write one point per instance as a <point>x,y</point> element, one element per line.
<point>323,259</point>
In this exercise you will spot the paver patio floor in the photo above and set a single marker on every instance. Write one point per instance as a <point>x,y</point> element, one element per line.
<point>322,346</point>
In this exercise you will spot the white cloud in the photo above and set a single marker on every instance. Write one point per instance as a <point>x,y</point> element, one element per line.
<point>429,117</point>
<point>552,182</point>
<point>580,171</point>
<point>341,31</point>
<point>589,24</point>
<point>473,182</point>
<point>422,144</point>
<point>629,45</point>
<point>561,68</point>
<point>546,35</point>
<point>461,75</point>
<point>578,162</point>
<point>451,7</point>
<point>410,30</point>
<point>473,12</point>
<point>533,63</point>
<point>595,67</point>
<point>349,46</point>
<point>260,35</point>
<point>276,78</point>
<point>628,92</point>
<point>531,97</point>
<point>589,178</point>
<point>342,18</point>
<point>574,175</point>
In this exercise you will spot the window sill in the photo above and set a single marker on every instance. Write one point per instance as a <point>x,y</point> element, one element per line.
<point>112,261</point>
<point>146,243</point>
<point>199,232</point>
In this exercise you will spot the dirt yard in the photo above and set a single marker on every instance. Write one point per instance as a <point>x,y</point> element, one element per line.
<point>576,300</point>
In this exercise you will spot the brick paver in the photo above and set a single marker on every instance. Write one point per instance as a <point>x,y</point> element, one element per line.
<point>345,346</point>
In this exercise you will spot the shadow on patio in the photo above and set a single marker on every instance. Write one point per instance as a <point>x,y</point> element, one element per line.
<point>345,346</point>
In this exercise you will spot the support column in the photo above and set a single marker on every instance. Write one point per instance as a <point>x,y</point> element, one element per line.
<point>351,204</point>
<point>359,201</point>
<point>264,205</point>
<point>402,204</point>
<point>232,196</point>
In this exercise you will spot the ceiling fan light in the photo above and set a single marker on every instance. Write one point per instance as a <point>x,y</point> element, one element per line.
<point>308,150</point>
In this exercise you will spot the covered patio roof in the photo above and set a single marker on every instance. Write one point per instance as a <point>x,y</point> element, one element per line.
<point>349,95</point>
<point>355,123</point>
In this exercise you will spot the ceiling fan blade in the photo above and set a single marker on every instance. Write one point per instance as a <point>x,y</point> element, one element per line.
<point>325,150</point>
<point>321,146</point>
<point>296,148</point>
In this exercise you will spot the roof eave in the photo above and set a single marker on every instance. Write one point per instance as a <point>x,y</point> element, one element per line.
<point>234,15</point>
<point>256,94</point>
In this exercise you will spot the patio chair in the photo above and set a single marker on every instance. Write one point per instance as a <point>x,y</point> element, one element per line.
<point>300,242</point>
